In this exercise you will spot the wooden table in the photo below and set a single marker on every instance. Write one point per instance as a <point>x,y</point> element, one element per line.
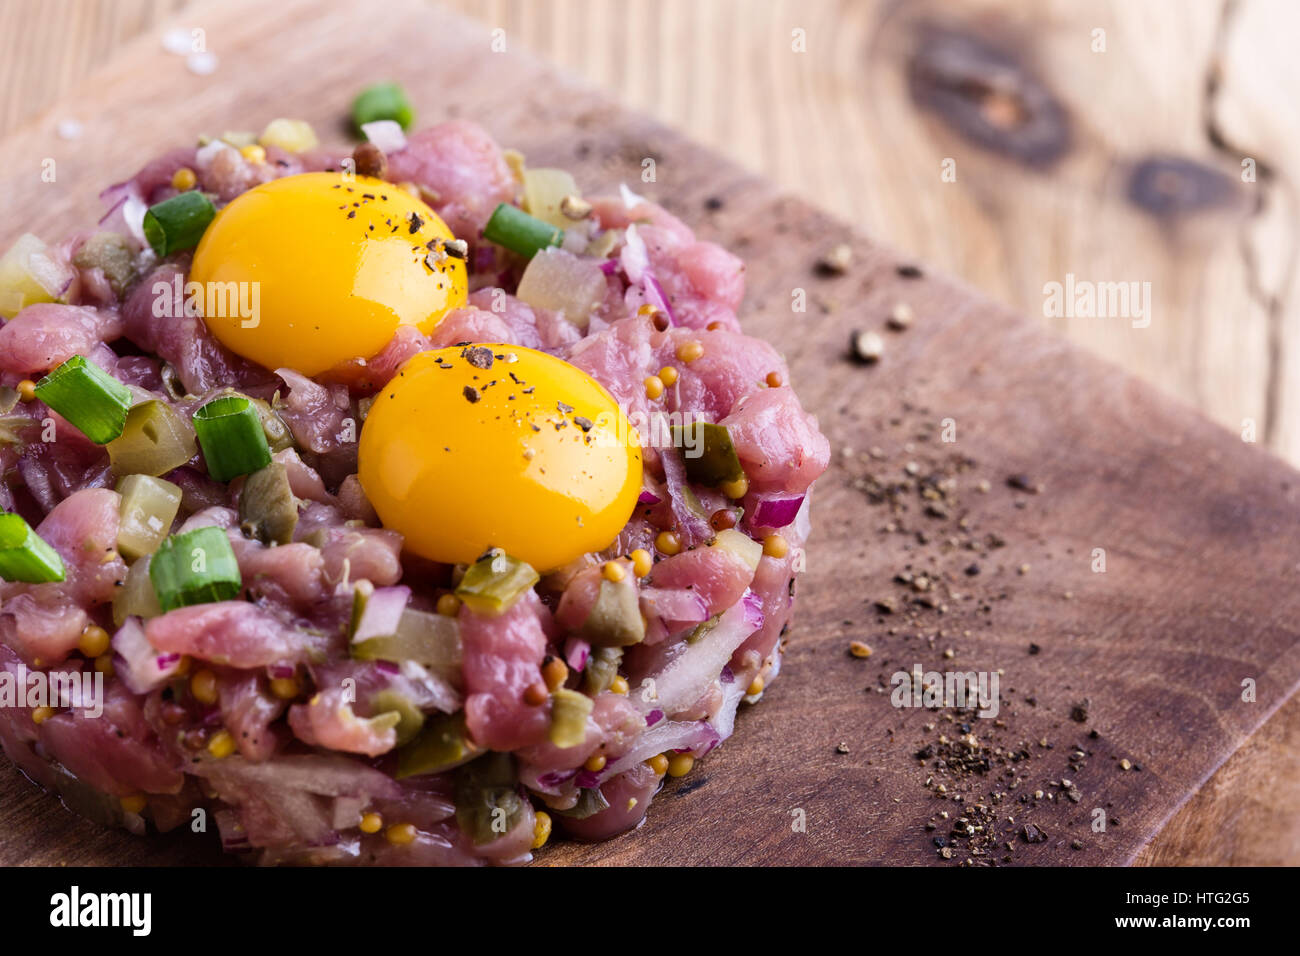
<point>1137,176</point>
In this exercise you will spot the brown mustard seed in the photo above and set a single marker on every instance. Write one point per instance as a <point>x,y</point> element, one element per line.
<point>722,519</point>
<point>774,380</point>
<point>370,160</point>
<point>536,694</point>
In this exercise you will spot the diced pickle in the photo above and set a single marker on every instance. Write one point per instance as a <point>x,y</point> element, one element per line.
<point>153,442</point>
<point>708,453</point>
<point>278,436</point>
<point>410,719</point>
<point>113,254</point>
<point>741,545</point>
<point>136,597</point>
<point>148,508</point>
<point>615,619</point>
<point>268,511</point>
<point>601,669</point>
<point>494,582</point>
<point>569,712</point>
<point>431,640</point>
<point>441,745</point>
<point>488,804</point>
<point>590,802</point>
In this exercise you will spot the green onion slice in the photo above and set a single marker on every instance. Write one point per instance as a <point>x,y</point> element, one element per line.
<point>194,568</point>
<point>382,101</point>
<point>179,222</point>
<point>24,555</point>
<point>519,232</point>
<point>88,397</point>
<point>231,436</point>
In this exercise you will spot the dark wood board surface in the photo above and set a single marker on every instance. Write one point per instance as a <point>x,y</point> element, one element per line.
<point>1198,589</point>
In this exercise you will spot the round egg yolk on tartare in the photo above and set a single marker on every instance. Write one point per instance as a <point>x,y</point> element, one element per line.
<point>494,445</point>
<point>338,263</point>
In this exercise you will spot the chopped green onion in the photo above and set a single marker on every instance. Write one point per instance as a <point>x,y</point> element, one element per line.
<point>194,568</point>
<point>148,508</point>
<point>569,712</point>
<point>519,232</point>
<point>382,101</point>
<point>708,453</point>
<point>153,442</point>
<point>488,804</point>
<point>231,436</point>
<point>494,582</point>
<point>179,222</point>
<point>24,555</point>
<point>88,397</point>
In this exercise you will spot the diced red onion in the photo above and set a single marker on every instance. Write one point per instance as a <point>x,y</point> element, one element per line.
<point>382,614</point>
<point>693,526</point>
<point>386,134</point>
<point>137,662</point>
<point>777,511</point>
<point>655,295</point>
<point>553,778</point>
<point>695,736</point>
<point>677,605</point>
<point>753,605</point>
<point>634,258</point>
<point>727,676</point>
<point>586,779</point>
<point>648,497</point>
<point>282,671</point>
<point>576,652</point>
<point>387,667</point>
<point>653,717</point>
<point>686,677</point>
<point>609,266</point>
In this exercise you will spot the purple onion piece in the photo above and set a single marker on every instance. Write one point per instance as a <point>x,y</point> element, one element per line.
<point>653,717</point>
<point>576,652</point>
<point>777,511</point>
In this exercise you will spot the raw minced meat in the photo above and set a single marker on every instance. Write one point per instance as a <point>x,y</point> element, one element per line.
<point>268,668</point>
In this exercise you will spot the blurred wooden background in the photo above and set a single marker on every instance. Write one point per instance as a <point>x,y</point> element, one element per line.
<point>1149,141</point>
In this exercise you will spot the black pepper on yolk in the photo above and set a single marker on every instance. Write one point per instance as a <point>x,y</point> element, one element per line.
<point>499,446</point>
<point>339,262</point>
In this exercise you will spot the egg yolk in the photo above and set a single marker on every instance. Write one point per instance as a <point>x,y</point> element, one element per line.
<point>491,445</point>
<point>333,264</point>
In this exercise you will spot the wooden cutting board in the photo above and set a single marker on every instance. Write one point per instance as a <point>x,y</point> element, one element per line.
<point>1121,564</point>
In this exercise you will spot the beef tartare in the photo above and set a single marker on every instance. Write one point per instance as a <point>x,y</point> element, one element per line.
<point>397,506</point>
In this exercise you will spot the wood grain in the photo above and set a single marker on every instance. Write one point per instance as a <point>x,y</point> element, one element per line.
<point>952,310</point>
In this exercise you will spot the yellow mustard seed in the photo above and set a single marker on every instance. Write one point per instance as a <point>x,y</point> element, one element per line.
<point>613,571</point>
<point>654,387</point>
<point>448,605</point>
<point>134,803</point>
<point>371,823</point>
<point>595,763</point>
<point>203,685</point>
<point>184,179</point>
<point>41,714</point>
<point>222,744</point>
<point>642,562</point>
<point>679,765</point>
<point>254,154</point>
<point>94,641</point>
<point>775,546</point>
<point>688,352</point>
<point>401,834</point>
<point>541,829</point>
<point>658,763</point>
<point>286,688</point>
<point>668,375</point>
<point>735,490</point>
<point>619,685</point>
<point>668,543</point>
